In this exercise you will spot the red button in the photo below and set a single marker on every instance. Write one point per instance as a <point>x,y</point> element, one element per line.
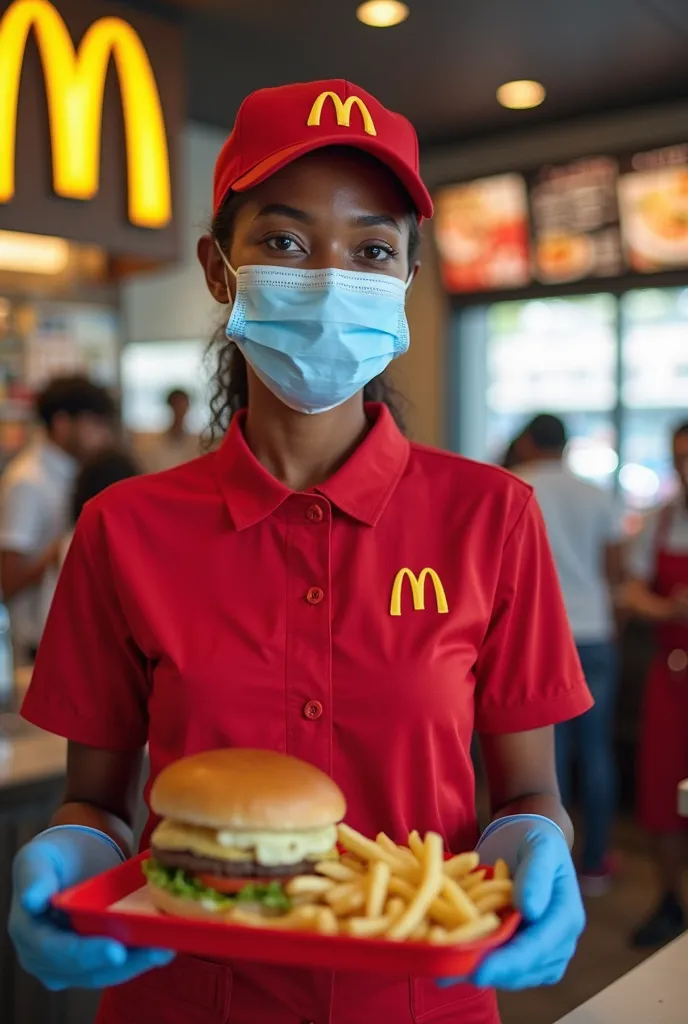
<point>314,514</point>
<point>315,595</point>
<point>313,710</point>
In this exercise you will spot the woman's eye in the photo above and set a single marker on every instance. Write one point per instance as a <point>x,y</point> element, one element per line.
<point>377,253</point>
<point>282,243</point>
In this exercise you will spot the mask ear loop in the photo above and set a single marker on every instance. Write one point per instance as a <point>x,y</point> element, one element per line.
<point>226,265</point>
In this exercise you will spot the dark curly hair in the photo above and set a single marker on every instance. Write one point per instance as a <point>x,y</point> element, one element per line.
<point>229,380</point>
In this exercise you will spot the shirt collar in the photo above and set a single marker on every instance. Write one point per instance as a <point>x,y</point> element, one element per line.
<point>361,488</point>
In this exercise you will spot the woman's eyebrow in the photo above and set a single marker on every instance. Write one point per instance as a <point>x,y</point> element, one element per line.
<point>283,210</point>
<point>374,220</point>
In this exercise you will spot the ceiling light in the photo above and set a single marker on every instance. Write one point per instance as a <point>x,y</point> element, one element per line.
<point>521,95</point>
<point>382,13</point>
<point>32,254</point>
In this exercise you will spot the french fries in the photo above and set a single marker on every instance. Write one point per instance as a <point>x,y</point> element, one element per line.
<point>377,889</point>
<point>378,886</point>
<point>431,856</point>
<point>463,864</point>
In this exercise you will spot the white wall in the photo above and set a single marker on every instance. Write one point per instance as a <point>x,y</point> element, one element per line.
<point>174,304</point>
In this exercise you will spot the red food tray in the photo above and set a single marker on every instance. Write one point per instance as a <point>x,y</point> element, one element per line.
<point>93,909</point>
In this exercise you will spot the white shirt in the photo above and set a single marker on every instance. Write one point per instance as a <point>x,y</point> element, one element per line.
<point>165,451</point>
<point>642,562</point>
<point>34,511</point>
<point>581,521</point>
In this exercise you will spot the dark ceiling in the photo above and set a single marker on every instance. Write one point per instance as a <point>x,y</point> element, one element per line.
<point>443,65</point>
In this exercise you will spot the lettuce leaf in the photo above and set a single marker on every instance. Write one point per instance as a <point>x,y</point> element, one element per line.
<point>179,883</point>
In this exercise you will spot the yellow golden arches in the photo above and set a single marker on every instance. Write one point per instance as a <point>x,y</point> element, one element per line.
<point>417,591</point>
<point>342,111</point>
<point>75,82</point>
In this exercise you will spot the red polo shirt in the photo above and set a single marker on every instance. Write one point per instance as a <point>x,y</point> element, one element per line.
<point>210,606</point>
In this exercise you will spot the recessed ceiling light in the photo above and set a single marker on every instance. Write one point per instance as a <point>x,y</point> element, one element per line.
<point>521,95</point>
<point>382,13</point>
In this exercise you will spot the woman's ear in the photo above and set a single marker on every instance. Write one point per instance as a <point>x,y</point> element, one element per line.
<point>220,283</point>
<point>412,276</point>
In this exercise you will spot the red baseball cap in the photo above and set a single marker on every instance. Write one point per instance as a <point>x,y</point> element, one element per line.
<point>276,126</point>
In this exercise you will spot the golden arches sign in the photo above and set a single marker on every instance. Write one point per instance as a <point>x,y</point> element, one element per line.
<point>342,111</point>
<point>417,591</point>
<point>75,83</point>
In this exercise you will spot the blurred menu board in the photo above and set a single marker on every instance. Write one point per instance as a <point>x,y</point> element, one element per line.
<point>653,199</point>
<point>596,217</point>
<point>482,234</point>
<point>575,221</point>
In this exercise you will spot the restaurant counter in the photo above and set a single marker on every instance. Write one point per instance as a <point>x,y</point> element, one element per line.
<point>683,799</point>
<point>656,992</point>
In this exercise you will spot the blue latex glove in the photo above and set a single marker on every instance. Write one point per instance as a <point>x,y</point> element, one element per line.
<point>45,945</point>
<point>546,893</point>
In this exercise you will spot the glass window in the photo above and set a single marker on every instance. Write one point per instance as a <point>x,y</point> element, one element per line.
<point>654,389</point>
<point>556,355</point>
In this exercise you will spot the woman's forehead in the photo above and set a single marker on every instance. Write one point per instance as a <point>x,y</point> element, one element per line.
<point>334,177</point>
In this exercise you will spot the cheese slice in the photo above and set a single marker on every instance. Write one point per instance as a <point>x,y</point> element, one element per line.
<point>267,848</point>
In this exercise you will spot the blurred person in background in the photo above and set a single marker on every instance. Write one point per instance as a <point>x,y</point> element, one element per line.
<point>658,592</point>
<point>98,472</point>
<point>77,419</point>
<point>511,457</point>
<point>584,532</point>
<point>176,445</point>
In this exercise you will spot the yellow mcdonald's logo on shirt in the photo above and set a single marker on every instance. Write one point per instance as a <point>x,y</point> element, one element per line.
<point>75,83</point>
<point>417,591</point>
<point>342,111</point>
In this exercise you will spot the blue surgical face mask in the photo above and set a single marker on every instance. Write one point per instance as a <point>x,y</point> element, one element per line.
<point>317,337</point>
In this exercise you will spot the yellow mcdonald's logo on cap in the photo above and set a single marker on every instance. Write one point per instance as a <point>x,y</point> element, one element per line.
<point>342,111</point>
<point>417,591</point>
<point>75,82</point>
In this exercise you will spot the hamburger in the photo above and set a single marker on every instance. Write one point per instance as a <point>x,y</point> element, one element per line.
<point>236,826</point>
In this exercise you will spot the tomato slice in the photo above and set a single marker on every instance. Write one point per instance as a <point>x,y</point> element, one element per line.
<point>231,885</point>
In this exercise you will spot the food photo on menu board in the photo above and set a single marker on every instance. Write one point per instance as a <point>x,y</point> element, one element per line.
<point>575,221</point>
<point>653,200</point>
<point>481,228</point>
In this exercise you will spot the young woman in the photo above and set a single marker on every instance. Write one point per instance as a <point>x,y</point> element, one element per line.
<point>659,593</point>
<point>318,586</point>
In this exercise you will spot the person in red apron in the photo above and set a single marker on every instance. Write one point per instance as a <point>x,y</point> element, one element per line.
<point>318,586</point>
<point>660,593</point>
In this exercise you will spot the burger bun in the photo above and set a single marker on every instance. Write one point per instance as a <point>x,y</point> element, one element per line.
<point>182,906</point>
<point>247,790</point>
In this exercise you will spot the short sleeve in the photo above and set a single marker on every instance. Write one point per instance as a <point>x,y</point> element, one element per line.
<point>90,682</point>
<point>641,556</point>
<point>20,517</point>
<point>528,673</point>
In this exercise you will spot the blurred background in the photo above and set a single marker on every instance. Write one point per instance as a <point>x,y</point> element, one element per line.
<point>554,137</point>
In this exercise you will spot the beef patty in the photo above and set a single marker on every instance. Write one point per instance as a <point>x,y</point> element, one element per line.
<point>188,861</point>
